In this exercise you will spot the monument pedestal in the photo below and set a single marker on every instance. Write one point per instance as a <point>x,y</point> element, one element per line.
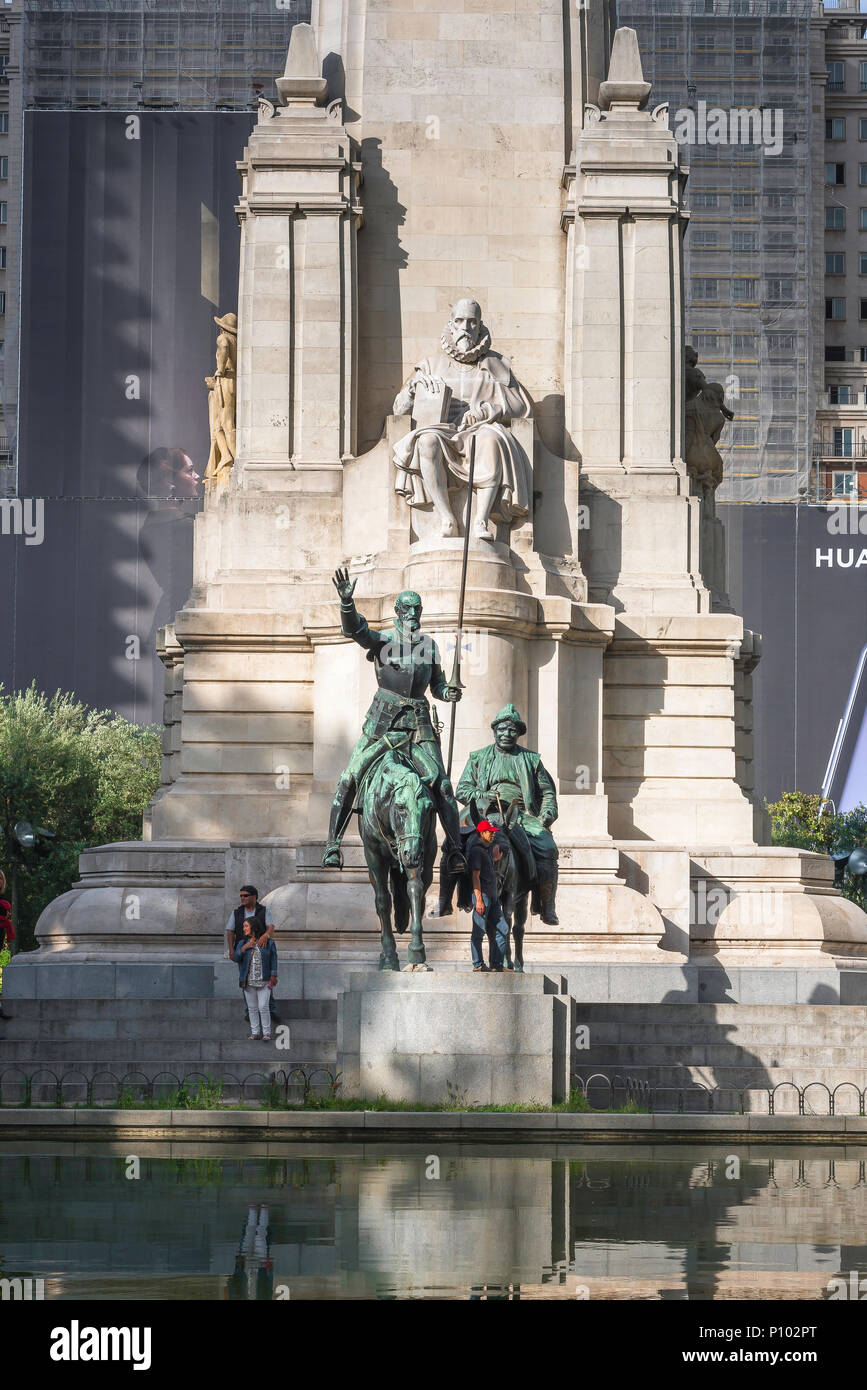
<point>471,1038</point>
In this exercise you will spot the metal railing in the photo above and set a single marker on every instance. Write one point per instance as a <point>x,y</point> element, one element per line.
<point>44,1087</point>
<point>606,1093</point>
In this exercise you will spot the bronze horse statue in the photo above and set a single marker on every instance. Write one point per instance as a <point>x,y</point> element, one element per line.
<point>398,821</point>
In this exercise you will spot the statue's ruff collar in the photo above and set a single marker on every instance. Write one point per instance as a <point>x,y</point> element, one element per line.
<point>482,347</point>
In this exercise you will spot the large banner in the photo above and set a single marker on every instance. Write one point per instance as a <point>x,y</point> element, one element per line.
<point>798,574</point>
<point>130,251</point>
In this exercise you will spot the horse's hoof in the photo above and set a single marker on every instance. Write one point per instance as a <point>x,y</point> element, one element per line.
<point>389,963</point>
<point>519,969</point>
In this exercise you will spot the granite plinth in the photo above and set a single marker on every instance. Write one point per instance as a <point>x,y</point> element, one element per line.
<point>472,1038</point>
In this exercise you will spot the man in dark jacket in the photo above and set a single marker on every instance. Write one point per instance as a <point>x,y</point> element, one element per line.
<point>249,907</point>
<point>487,910</point>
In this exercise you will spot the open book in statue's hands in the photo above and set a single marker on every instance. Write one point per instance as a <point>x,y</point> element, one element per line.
<point>431,407</point>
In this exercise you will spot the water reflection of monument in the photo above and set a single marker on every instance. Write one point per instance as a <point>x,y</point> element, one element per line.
<point>636,1222</point>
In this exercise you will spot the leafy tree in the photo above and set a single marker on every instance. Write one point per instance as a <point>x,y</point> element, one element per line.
<point>804,820</point>
<point>84,774</point>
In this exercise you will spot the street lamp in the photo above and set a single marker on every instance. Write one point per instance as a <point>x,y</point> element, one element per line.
<point>25,837</point>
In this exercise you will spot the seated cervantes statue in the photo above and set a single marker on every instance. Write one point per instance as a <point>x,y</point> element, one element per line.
<point>503,775</point>
<point>461,399</point>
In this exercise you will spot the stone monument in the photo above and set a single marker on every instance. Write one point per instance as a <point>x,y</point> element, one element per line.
<point>380,199</point>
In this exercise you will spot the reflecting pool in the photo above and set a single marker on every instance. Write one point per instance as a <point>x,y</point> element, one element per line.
<point>444,1221</point>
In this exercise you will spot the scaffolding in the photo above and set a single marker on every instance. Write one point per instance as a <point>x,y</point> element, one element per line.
<point>172,54</point>
<point>747,272</point>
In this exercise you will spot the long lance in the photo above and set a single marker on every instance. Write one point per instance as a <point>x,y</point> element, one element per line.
<point>455,678</point>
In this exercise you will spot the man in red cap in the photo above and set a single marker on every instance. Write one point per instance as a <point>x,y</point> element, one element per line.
<point>487,910</point>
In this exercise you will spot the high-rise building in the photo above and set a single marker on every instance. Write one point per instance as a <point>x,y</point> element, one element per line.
<point>10,234</point>
<point>840,448</point>
<point>737,77</point>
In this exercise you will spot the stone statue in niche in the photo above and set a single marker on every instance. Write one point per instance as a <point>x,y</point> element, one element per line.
<point>706,417</point>
<point>221,404</point>
<point>460,400</point>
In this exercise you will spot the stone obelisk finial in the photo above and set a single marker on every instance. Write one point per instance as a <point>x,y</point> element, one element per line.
<point>302,84</point>
<point>625,84</point>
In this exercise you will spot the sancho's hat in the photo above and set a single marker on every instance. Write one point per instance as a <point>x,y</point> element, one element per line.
<point>228,321</point>
<point>509,712</point>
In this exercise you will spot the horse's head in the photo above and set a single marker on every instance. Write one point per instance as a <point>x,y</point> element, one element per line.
<point>409,812</point>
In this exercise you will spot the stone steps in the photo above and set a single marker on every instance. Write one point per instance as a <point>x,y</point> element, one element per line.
<point>160,1010</point>
<point>205,1036</point>
<point>124,1051</point>
<point>180,1031</point>
<point>743,1015</point>
<point>722,1035</point>
<point>715,1054</point>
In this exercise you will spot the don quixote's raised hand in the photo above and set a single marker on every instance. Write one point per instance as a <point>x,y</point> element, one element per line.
<point>344,585</point>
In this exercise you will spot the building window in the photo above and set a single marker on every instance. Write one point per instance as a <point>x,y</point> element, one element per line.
<point>744,343</point>
<point>745,241</point>
<point>864,354</point>
<point>843,440</point>
<point>835,263</point>
<point>835,354</point>
<point>705,200</point>
<point>2,257</point>
<point>744,434</point>
<point>835,308</point>
<point>705,342</point>
<point>843,484</point>
<point>841,395</point>
<point>4,122</point>
<point>781,435</point>
<point>4,214</point>
<point>748,200</point>
<point>705,289</point>
<point>780,289</point>
<point>837,76</point>
<point>834,174</point>
<point>835,128</point>
<point>862,313</point>
<point>744,287</point>
<point>835,219</point>
<point>863,70</point>
<point>704,238</point>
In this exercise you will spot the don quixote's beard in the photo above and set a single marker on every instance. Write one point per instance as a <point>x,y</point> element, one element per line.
<point>465,354</point>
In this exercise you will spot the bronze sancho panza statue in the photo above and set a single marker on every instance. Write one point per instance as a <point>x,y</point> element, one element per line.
<point>505,775</point>
<point>407,664</point>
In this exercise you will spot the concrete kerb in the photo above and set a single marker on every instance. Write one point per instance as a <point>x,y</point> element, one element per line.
<point>488,1126</point>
